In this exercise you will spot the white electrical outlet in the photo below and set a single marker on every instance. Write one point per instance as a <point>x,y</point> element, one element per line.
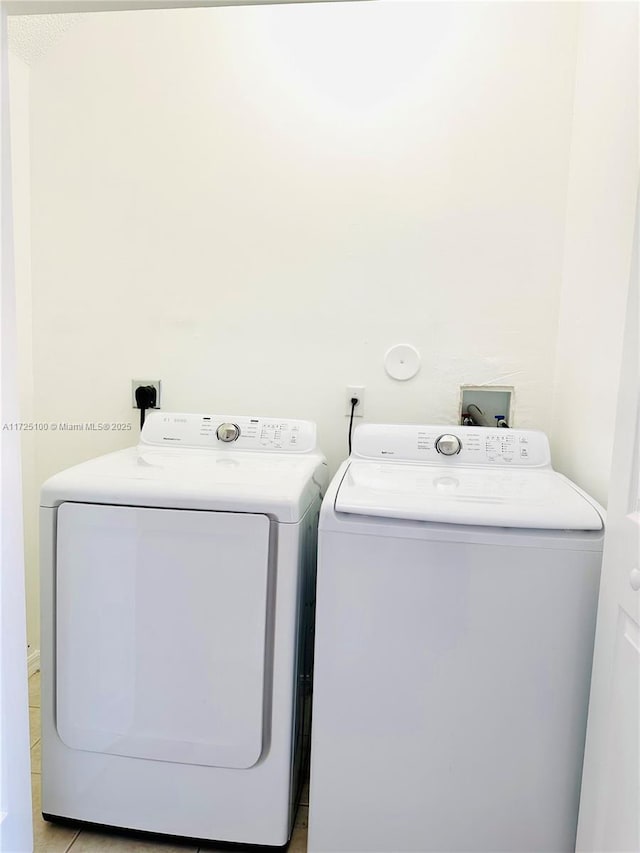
<point>354,391</point>
<point>135,383</point>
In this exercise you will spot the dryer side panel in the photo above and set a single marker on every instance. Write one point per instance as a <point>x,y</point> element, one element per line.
<point>160,633</point>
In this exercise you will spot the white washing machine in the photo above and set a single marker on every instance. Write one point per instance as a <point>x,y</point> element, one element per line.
<point>177,597</point>
<point>458,579</point>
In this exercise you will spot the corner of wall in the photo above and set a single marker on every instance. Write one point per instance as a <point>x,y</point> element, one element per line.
<point>19,94</point>
<point>603,173</point>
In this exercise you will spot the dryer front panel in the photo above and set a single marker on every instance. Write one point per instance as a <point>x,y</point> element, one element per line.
<point>161,621</point>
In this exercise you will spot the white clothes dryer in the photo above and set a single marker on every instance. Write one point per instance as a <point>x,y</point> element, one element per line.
<point>458,580</point>
<point>178,583</point>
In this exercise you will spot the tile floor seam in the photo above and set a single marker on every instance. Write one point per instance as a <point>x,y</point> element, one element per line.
<point>73,841</point>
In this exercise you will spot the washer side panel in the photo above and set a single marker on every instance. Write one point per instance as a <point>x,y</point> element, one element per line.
<point>450,699</point>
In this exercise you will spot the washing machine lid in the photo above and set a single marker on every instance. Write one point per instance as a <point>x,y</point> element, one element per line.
<point>273,467</point>
<point>498,478</point>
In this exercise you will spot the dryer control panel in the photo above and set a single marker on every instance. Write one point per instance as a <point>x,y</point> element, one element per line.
<point>228,432</point>
<point>455,445</point>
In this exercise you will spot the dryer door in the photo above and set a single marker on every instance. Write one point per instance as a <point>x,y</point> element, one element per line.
<point>161,623</point>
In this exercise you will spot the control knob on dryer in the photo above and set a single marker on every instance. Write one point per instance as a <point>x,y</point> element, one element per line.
<point>448,444</point>
<point>228,432</point>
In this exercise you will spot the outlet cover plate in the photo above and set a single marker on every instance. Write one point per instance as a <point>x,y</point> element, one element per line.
<point>354,391</point>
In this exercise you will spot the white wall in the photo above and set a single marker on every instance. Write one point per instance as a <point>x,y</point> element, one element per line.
<point>19,108</point>
<point>603,181</point>
<point>15,789</point>
<point>253,204</point>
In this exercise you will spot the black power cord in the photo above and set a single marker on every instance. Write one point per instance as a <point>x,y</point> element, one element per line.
<point>146,398</point>
<point>354,403</point>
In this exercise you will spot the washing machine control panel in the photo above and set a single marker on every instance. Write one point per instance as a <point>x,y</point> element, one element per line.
<point>229,432</point>
<point>457,445</point>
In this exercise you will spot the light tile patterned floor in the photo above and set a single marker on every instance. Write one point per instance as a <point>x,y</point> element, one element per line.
<point>54,838</point>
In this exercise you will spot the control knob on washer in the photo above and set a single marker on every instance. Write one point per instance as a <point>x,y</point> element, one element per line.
<point>448,445</point>
<point>228,432</point>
